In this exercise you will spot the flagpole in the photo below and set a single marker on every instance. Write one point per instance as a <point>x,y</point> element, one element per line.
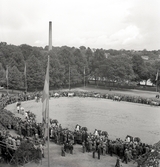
<point>48,117</point>
<point>50,48</point>
<point>45,110</point>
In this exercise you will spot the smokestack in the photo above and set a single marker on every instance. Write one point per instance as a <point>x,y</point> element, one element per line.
<point>50,35</point>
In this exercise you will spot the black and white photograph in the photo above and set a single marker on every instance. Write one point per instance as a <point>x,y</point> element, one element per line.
<point>79,83</point>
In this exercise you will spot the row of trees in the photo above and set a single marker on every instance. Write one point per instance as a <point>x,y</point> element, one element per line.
<point>109,65</point>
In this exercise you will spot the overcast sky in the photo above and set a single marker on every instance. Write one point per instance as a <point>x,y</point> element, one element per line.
<point>108,24</point>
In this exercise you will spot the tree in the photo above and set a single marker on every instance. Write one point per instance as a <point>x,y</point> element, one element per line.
<point>26,50</point>
<point>89,61</point>
<point>2,76</point>
<point>98,61</point>
<point>15,78</point>
<point>56,71</point>
<point>138,67</point>
<point>154,69</point>
<point>66,59</point>
<point>147,70</point>
<point>18,60</point>
<point>79,62</point>
<point>35,73</point>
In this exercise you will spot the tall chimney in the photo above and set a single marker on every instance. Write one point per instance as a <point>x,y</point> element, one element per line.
<point>50,35</point>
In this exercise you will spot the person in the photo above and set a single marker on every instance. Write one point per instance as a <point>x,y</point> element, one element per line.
<point>14,143</point>
<point>21,110</point>
<point>60,127</point>
<point>18,108</point>
<point>99,151</point>
<point>42,149</point>
<point>126,156</point>
<point>26,115</point>
<point>83,147</point>
<point>110,148</point>
<point>77,128</point>
<point>71,148</point>
<point>62,151</point>
<point>104,149</point>
<point>94,151</point>
<point>18,142</point>
<point>96,132</point>
<point>118,162</point>
<point>90,145</point>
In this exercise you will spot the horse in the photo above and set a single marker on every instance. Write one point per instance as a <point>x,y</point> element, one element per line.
<point>64,94</point>
<point>97,95</point>
<point>56,95</point>
<point>37,99</point>
<point>107,96</point>
<point>154,103</point>
<point>84,95</point>
<point>157,96</point>
<point>70,94</point>
<point>116,98</point>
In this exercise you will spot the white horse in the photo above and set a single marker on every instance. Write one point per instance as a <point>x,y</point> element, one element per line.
<point>154,103</point>
<point>56,95</point>
<point>70,94</point>
<point>97,95</point>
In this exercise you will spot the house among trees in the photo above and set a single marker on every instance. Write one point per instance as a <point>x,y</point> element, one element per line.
<point>147,83</point>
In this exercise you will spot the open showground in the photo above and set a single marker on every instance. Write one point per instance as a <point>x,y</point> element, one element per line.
<point>117,118</point>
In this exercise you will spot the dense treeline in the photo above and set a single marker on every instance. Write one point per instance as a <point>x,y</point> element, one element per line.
<point>122,66</point>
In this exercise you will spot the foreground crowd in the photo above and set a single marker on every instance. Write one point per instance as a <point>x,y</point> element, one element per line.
<point>98,142</point>
<point>27,129</point>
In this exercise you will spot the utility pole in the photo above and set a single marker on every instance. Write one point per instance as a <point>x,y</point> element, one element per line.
<point>69,78</point>
<point>7,77</point>
<point>84,77</point>
<point>157,80</point>
<point>157,86</point>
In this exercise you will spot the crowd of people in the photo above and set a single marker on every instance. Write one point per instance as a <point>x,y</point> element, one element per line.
<point>26,127</point>
<point>98,143</point>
